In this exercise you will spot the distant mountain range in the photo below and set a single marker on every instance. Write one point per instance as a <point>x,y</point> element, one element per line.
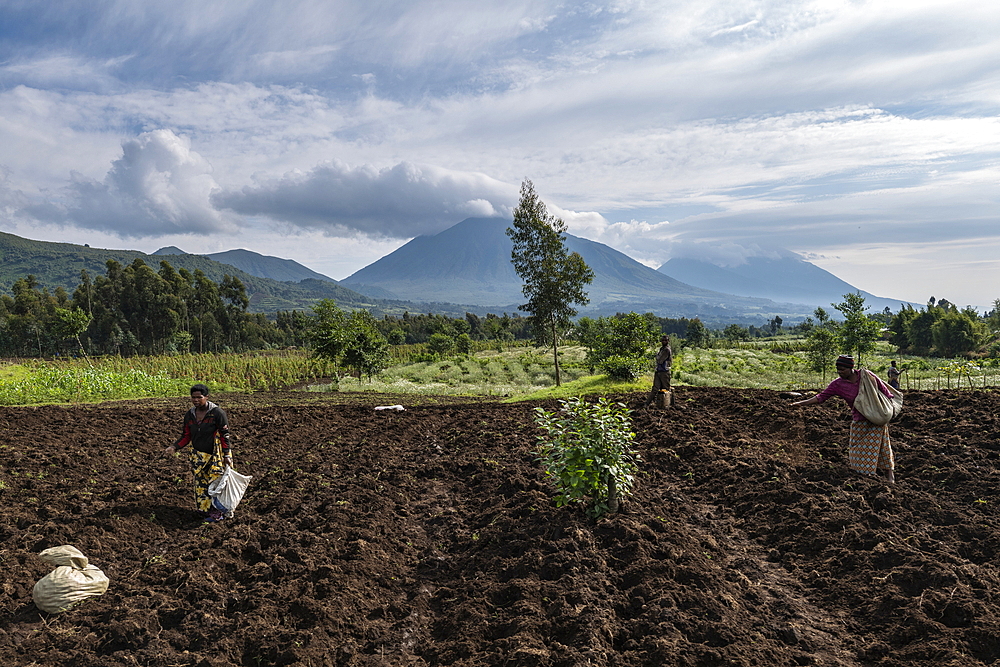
<point>784,276</point>
<point>467,268</point>
<point>470,263</point>
<point>262,266</point>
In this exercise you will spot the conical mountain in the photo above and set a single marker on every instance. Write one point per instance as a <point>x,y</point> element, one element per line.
<point>470,263</point>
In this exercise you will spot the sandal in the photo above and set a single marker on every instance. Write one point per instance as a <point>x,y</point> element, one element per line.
<point>213,516</point>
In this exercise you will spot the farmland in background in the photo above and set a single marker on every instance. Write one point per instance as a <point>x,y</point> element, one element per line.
<point>105,378</point>
<point>511,371</point>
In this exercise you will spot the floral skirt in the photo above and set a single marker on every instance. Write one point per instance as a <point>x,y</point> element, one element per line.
<point>869,449</point>
<point>206,468</point>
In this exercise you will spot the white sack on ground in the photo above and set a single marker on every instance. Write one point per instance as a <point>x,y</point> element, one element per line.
<point>73,581</point>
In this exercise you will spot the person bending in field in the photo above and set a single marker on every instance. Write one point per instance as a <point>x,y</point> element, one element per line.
<point>869,451</point>
<point>206,429</point>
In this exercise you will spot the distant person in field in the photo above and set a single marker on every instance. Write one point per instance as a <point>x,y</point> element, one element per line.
<point>893,374</point>
<point>661,375</point>
<point>869,451</point>
<point>206,429</point>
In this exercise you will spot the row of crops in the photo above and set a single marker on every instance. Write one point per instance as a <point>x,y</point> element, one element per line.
<point>106,378</point>
<point>509,372</point>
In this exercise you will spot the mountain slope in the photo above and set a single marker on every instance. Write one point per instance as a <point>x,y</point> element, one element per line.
<point>59,265</point>
<point>784,276</point>
<point>470,263</point>
<point>262,266</point>
<point>265,266</point>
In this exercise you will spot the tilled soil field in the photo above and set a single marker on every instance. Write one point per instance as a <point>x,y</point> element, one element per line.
<point>429,537</point>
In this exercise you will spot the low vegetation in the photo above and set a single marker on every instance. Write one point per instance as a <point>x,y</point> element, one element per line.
<point>510,372</point>
<point>587,451</point>
<point>348,351</point>
<point>36,381</point>
<point>514,373</point>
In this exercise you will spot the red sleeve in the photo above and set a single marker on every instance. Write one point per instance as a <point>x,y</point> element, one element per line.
<point>222,428</point>
<point>185,433</point>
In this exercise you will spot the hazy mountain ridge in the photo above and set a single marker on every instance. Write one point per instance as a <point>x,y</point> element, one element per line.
<point>467,268</point>
<point>785,276</point>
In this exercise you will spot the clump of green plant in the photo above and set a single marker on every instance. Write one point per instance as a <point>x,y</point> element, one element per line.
<point>622,368</point>
<point>587,452</point>
<point>618,345</point>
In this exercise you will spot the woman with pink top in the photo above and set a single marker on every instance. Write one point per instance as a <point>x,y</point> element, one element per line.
<point>869,451</point>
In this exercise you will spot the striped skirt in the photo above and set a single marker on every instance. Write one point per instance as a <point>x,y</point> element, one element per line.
<point>869,449</point>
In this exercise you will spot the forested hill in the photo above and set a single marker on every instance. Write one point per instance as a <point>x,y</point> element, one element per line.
<point>265,266</point>
<point>59,265</point>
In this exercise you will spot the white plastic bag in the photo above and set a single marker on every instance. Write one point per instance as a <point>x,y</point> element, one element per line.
<point>876,407</point>
<point>396,408</point>
<point>228,489</point>
<point>73,581</point>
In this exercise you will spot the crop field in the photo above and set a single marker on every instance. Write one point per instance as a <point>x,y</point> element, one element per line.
<point>430,537</point>
<point>520,370</point>
<point>106,378</point>
<point>509,372</point>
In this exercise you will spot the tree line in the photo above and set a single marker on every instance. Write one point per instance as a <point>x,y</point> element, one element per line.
<point>942,329</point>
<point>133,309</point>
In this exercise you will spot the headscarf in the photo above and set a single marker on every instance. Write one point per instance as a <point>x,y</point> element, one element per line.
<point>845,361</point>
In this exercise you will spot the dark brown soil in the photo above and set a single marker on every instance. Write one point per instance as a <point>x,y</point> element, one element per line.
<point>429,537</point>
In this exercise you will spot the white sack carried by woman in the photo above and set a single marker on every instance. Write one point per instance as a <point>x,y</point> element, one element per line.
<point>227,491</point>
<point>876,407</point>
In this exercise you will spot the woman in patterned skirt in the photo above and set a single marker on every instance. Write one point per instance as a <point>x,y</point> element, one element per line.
<point>206,429</point>
<point>869,451</point>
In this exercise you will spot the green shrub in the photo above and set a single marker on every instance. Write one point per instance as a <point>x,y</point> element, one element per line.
<point>587,451</point>
<point>440,343</point>
<point>622,367</point>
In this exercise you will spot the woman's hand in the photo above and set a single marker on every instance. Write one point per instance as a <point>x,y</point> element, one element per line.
<point>228,460</point>
<point>170,450</point>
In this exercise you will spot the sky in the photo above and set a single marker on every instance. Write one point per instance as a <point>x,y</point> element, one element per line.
<point>863,135</point>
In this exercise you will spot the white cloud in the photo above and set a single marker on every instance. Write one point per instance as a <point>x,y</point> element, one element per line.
<point>294,61</point>
<point>813,124</point>
<point>158,186</point>
<point>64,71</point>
<point>964,271</point>
<point>725,254</point>
<point>736,28</point>
<point>402,201</point>
<point>11,199</point>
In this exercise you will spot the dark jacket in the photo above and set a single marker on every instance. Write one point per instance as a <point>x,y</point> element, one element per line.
<point>202,434</point>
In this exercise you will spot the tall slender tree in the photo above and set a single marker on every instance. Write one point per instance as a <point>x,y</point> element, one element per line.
<point>554,279</point>
<point>858,333</point>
